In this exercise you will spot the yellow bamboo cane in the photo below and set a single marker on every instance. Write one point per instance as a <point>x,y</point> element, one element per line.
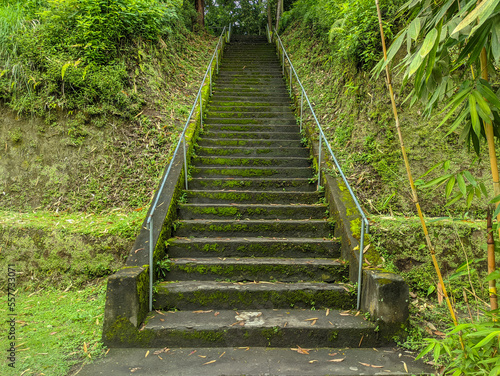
<point>408,171</point>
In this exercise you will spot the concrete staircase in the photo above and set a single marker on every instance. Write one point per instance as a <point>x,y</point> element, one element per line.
<point>253,261</point>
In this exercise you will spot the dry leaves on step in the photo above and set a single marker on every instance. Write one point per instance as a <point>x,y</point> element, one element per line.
<point>135,369</point>
<point>147,353</point>
<point>203,311</point>
<point>337,360</point>
<point>210,362</point>
<point>312,361</point>
<point>300,350</point>
<point>164,350</point>
<point>370,365</point>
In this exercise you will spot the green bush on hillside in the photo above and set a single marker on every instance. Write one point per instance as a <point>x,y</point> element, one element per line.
<point>350,26</point>
<point>76,53</point>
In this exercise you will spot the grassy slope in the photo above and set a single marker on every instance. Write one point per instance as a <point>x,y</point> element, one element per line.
<point>355,113</point>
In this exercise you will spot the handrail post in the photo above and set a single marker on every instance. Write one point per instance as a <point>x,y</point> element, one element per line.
<point>301,107</point>
<point>151,262</point>
<point>185,163</point>
<point>360,262</point>
<point>201,112</point>
<point>319,160</point>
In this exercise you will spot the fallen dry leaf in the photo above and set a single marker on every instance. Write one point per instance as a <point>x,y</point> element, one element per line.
<point>84,347</point>
<point>330,323</point>
<point>337,360</point>
<point>165,349</point>
<point>147,353</point>
<point>364,364</point>
<point>361,340</point>
<point>312,361</point>
<point>313,319</point>
<point>300,350</point>
<point>202,356</point>
<point>333,354</point>
<point>203,311</point>
<point>192,352</point>
<point>160,357</point>
<point>406,368</point>
<point>345,313</point>
<point>327,312</point>
<point>135,369</point>
<point>212,361</point>
<point>314,322</point>
<point>216,313</point>
<point>221,355</point>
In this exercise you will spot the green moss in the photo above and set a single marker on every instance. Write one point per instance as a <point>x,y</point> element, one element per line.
<point>333,336</point>
<point>122,332</point>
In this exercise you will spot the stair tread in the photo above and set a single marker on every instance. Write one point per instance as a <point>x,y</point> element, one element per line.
<point>255,260</point>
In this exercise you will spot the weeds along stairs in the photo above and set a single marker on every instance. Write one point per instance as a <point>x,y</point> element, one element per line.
<point>253,261</point>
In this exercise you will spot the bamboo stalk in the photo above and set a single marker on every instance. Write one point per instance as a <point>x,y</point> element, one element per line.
<point>491,264</point>
<point>488,128</point>
<point>408,171</point>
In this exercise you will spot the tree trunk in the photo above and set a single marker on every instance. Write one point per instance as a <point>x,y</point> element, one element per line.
<point>279,11</point>
<point>269,16</point>
<point>200,9</point>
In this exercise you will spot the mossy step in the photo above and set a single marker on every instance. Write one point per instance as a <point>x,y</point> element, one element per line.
<point>278,127</point>
<point>188,295</point>
<point>253,247</point>
<point>253,172</point>
<point>267,107</point>
<point>237,115</point>
<point>284,119</point>
<point>265,327</point>
<point>254,135</point>
<point>244,73</point>
<point>251,197</point>
<point>280,185</point>
<point>277,98</point>
<point>251,82</point>
<point>242,104</point>
<point>276,89</point>
<point>250,211</point>
<point>253,151</point>
<point>317,228</point>
<point>257,269</point>
<point>214,161</point>
<point>256,143</point>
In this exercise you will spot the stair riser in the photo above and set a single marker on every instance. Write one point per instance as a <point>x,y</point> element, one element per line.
<point>249,197</point>
<point>253,152</point>
<point>233,115</point>
<point>239,108</point>
<point>302,185</point>
<point>244,299</point>
<point>253,247</point>
<point>251,128</point>
<point>253,135</point>
<point>256,272</point>
<point>251,212</point>
<point>250,162</point>
<point>278,229</point>
<point>298,172</point>
<point>259,337</point>
<point>208,142</point>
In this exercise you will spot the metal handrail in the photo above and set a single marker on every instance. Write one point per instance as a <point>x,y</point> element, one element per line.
<point>364,221</point>
<point>224,38</point>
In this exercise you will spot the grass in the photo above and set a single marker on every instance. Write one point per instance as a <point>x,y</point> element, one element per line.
<point>55,330</point>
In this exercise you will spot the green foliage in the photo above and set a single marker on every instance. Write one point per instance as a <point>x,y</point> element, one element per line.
<point>71,54</point>
<point>444,41</point>
<point>478,356</point>
<point>351,26</point>
<point>246,17</point>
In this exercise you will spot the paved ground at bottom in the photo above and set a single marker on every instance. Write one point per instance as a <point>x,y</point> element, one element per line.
<point>255,361</point>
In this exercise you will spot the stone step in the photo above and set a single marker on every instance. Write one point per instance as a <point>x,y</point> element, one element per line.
<point>254,172</point>
<point>231,184</point>
<point>183,295</point>
<point>285,119</point>
<point>264,327</point>
<point>256,143</point>
<point>316,228</point>
<point>251,197</point>
<point>256,269</point>
<point>251,89</point>
<point>253,247</point>
<point>250,211</point>
<point>253,135</point>
<point>214,161</point>
<point>251,82</point>
<point>252,151</point>
<point>277,98</point>
<point>289,128</point>
<point>214,107</point>
<point>256,105</point>
<point>250,73</point>
<point>236,116</point>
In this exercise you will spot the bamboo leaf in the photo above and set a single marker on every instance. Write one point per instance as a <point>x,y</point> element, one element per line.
<point>64,68</point>
<point>493,275</point>
<point>415,64</point>
<point>487,339</point>
<point>429,348</point>
<point>461,184</point>
<point>495,199</point>
<point>481,12</point>
<point>495,40</point>
<point>429,42</point>
<point>487,93</point>
<point>470,196</point>
<point>414,29</point>
<point>482,103</point>
<point>438,181</point>
<point>457,121</point>
<point>449,186</point>
<point>457,197</point>
<point>483,189</point>
<point>470,178</point>
<point>476,126</point>
<point>497,211</point>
